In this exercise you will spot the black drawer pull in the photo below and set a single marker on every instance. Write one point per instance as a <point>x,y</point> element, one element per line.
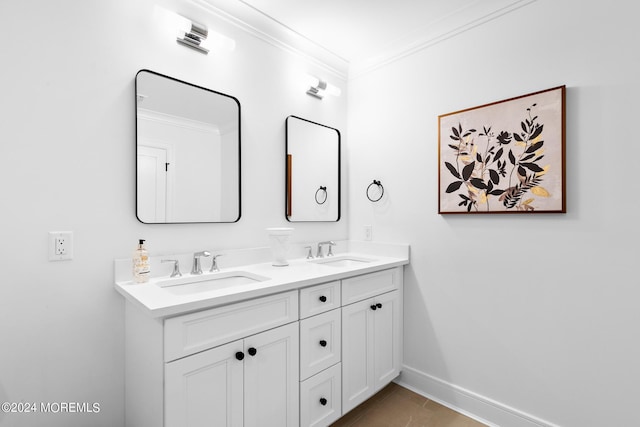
<point>252,351</point>
<point>323,343</point>
<point>239,355</point>
<point>373,307</point>
<point>323,401</point>
<point>322,298</point>
<point>379,305</point>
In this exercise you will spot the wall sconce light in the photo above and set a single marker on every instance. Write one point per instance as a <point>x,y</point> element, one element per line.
<point>318,88</point>
<point>194,37</point>
<point>191,34</point>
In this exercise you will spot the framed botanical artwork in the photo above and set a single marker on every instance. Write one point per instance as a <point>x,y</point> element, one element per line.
<point>504,157</point>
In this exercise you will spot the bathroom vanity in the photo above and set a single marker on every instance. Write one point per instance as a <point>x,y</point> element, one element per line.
<point>258,345</point>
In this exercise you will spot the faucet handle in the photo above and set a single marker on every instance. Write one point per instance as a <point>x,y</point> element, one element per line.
<point>331,245</point>
<point>309,252</point>
<point>214,263</point>
<point>176,267</point>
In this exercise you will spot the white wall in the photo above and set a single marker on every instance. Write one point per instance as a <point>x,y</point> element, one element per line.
<point>67,162</point>
<point>519,317</point>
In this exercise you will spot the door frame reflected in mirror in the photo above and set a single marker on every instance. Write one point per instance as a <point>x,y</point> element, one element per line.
<point>313,171</point>
<point>202,186</point>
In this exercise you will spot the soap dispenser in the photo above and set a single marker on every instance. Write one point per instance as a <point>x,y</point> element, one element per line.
<point>141,269</point>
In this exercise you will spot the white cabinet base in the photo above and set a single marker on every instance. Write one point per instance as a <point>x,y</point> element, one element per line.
<point>266,362</point>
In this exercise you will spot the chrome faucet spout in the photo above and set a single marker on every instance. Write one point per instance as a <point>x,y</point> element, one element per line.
<point>197,267</point>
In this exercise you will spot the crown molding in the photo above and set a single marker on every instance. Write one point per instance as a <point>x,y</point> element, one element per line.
<point>182,122</point>
<point>432,33</point>
<point>275,33</point>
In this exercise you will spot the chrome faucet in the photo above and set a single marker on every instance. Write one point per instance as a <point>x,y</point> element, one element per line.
<point>197,267</point>
<point>214,263</point>
<point>319,254</point>
<point>176,267</point>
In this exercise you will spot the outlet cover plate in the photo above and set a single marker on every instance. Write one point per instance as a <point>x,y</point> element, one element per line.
<point>368,233</point>
<point>60,245</point>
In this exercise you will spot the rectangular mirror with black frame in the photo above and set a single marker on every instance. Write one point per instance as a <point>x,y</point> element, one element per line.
<point>187,152</point>
<point>313,171</point>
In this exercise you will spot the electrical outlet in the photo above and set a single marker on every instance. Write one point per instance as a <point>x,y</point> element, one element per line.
<point>60,245</point>
<point>368,232</point>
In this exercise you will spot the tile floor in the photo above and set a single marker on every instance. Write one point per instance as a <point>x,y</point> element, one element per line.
<point>395,406</point>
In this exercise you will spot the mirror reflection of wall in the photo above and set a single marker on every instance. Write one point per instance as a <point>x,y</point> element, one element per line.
<point>313,171</point>
<point>188,152</point>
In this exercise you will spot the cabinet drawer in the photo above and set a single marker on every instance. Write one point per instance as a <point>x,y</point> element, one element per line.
<point>320,342</point>
<point>369,285</point>
<point>320,298</point>
<point>191,333</point>
<point>321,398</point>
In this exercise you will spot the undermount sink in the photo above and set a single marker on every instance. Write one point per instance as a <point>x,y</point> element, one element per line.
<point>342,261</point>
<point>208,282</point>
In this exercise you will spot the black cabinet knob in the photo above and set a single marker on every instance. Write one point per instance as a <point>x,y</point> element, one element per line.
<point>379,305</point>
<point>323,343</point>
<point>373,307</point>
<point>252,351</point>
<point>239,355</point>
<point>323,298</point>
<point>323,401</point>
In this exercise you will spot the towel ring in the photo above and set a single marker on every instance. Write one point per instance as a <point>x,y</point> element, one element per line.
<point>380,187</point>
<point>324,190</point>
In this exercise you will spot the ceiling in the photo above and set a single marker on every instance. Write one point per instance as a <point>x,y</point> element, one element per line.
<point>356,29</point>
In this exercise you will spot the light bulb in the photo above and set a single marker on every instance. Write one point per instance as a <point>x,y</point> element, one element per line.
<point>333,90</point>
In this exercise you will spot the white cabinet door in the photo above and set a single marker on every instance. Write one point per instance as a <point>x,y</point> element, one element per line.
<point>271,378</point>
<point>387,333</point>
<point>370,347</point>
<point>205,389</point>
<point>251,382</point>
<point>357,354</point>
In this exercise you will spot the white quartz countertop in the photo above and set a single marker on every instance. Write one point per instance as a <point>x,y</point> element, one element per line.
<point>157,301</point>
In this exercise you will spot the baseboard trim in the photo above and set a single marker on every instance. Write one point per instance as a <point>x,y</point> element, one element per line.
<point>467,402</point>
